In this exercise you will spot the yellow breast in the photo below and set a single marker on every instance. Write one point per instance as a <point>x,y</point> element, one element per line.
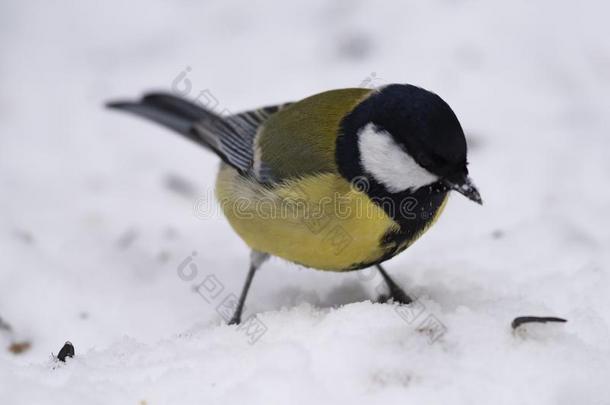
<point>317,221</point>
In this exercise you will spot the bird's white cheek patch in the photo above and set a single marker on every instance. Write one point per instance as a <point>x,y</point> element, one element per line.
<point>388,163</point>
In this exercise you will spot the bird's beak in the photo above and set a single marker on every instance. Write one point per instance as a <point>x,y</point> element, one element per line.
<point>463,185</point>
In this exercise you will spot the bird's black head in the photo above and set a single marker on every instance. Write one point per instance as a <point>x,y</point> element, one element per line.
<point>407,138</point>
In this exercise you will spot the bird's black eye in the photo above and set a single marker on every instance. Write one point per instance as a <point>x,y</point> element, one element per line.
<point>423,159</point>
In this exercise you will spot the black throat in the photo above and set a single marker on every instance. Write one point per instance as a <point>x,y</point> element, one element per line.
<point>411,210</point>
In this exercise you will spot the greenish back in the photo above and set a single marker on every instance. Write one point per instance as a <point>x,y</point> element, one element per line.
<point>300,139</point>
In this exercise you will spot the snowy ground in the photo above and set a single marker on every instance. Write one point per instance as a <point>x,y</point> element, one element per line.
<point>98,208</point>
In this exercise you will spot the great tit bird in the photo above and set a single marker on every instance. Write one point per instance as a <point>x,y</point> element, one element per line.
<point>341,180</point>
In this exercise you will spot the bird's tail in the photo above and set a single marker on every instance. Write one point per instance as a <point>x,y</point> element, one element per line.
<point>179,115</point>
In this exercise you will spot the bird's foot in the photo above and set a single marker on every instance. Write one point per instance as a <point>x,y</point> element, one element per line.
<point>382,299</point>
<point>398,296</point>
<point>396,293</point>
<point>235,319</point>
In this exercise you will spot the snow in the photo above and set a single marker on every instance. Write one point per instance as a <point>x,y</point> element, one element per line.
<point>100,209</point>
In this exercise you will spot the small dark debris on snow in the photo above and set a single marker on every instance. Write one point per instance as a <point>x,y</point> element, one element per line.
<point>179,185</point>
<point>66,351</point>
<point>355,46</point>
<point>16,347</point>
<point>497,234</point>
<point>127,238</point>
<point>163,256</point>
<point>5,326</point>
<point>24,236</point>
<point>170,233</point>
<point>534,319</point>
<point>19,347</point>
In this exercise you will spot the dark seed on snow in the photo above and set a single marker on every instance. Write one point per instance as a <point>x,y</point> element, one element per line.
<point>66,351</point>
<point>538,319</point>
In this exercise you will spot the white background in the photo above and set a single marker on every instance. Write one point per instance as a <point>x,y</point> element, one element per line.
<point>91,235</point>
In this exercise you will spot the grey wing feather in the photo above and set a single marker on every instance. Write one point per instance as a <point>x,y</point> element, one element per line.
<point>247,124</point>
<point>245,127</point>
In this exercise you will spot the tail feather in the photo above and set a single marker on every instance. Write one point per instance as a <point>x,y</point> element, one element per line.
<point>179,115</point>
<point>169,119</point>
<point>231,137</point>
<point>177,105</point>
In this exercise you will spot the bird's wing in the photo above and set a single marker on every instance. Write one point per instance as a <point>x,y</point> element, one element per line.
<point>239,141</point>
<point>231,138</point>
<point>270,144</point>
<point>300,139</point>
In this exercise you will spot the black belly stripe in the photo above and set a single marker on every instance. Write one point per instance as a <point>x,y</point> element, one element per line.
<point>413,212</point>
<point>423,206</point>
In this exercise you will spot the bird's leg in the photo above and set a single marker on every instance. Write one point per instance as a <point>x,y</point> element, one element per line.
<point>256,259</point>
<point>396,292</point>
<point>236,318</point>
